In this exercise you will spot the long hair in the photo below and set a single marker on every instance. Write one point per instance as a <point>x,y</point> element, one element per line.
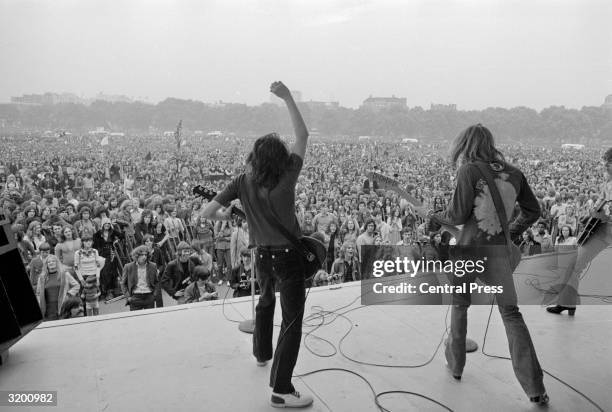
<point>561,237</point>
<point>475,143</point>
<point>44,274</point>
<point>268,160</point>
<point>74,233</point>
<point>607,157</point>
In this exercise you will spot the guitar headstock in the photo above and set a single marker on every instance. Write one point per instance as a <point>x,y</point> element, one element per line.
<point>388,183</point>
<point>204,192</point>
<point>383,182</point>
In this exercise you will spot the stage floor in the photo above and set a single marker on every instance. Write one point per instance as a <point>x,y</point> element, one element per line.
<point>191,357</point>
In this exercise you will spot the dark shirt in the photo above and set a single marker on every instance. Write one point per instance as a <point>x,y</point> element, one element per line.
<point>262,231</point>
<point>176,278</point>
<point>52,290</point>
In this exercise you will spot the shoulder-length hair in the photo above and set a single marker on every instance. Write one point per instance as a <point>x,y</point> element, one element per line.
<point>561,232</point>
<point>268,160</point>
<point>475,143</point>
<point>44,274</point>
<point>74,233</point>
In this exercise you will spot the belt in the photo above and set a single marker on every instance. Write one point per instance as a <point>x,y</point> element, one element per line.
<point>276,248</point>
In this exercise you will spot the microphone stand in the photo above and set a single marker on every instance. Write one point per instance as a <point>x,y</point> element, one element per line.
<point>248,325</point>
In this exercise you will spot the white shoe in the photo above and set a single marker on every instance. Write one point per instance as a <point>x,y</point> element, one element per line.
<point>228,283</point>
<point>219,283</point>
<point>262,363</point>
<point>290,400</point>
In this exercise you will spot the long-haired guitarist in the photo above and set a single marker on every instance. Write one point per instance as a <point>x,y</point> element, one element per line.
<point>596,236</point>
<point>270,183</point>
<point>473,206</point>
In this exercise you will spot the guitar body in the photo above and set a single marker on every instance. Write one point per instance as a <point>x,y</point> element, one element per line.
<point>591,225</point>
<point>318,254</point>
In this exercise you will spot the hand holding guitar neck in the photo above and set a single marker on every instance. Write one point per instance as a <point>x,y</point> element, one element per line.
<point>208,194</point>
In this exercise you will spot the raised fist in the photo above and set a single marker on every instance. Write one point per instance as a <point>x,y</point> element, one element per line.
<point>280,90</point>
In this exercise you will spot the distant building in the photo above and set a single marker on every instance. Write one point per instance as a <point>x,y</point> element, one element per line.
<point>98,132</point>
<point>69,98</point>
<point>321,105</point>
<point>384,103</point>
<point>607,102</point>
<point>444,107</point>
<point>59,98</point>
<point>113,98</point>
<point>36,99</point>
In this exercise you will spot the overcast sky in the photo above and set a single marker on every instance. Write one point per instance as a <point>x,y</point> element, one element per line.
<point>476,54</point>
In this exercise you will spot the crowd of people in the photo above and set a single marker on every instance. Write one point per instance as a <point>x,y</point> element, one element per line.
<point>88,217</point>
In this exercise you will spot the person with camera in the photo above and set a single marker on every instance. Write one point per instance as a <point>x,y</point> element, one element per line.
<point>241,276</point>
<point>267,193</point>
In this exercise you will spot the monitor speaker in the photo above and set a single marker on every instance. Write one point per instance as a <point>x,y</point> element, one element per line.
<point>19,309</point>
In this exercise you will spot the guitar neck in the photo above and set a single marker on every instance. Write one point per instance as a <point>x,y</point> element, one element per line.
<point>387,183</point>
<point>239,213</point>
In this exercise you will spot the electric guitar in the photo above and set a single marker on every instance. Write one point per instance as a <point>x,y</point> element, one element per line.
<point>388,183</point>
<point>592,223</point>
<point>316,249</point>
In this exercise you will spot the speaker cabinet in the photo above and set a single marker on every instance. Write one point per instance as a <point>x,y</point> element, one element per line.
<point>19,310</point>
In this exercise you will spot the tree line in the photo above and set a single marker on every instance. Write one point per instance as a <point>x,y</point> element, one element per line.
<point>556,123</point>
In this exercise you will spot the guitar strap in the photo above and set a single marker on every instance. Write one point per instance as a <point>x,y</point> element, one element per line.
<point>497,201</point>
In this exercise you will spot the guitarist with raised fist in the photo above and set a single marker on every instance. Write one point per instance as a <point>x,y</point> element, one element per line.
<point>596,236</point>
<point>267,193</point>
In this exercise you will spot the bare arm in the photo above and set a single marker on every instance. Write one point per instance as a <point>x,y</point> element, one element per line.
<point>299,128</point>
<point>215,211</point>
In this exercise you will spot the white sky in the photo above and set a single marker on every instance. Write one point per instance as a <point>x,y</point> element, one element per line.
<point>477,54</point>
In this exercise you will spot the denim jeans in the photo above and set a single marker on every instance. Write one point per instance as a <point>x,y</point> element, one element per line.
<point>524,358</point>
<point>157,296</point>
<point>282,269</point>
<point>600,239</point>
<point>224,263</point>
